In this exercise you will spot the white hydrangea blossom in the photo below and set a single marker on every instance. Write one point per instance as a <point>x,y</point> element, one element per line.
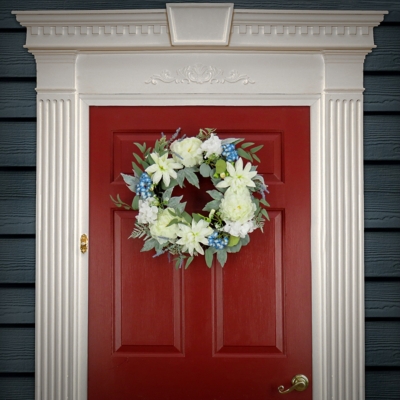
<point>147,211</point>
<point>238,229</point>
<point>213,145</point>
<point>237,206</point>
<point>187,151</point>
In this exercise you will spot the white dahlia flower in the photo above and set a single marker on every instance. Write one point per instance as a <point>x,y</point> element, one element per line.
<point>192,236</point>
<point>163,167</point>
<point>239,177</point>
<point>187,151</point>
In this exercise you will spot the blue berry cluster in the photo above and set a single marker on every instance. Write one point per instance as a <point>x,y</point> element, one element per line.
<point>215,241</point>
<point>229,152</point>
<point>144,186</point>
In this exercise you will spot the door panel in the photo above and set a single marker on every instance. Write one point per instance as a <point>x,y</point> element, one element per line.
<point>239,332</point>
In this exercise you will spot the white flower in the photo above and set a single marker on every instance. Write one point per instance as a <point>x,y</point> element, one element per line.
<point>238,177</point>
<point>159,229</point>
<point>187,151</point>
<point>213,145</point>
<point>164,168</point>
<point>238,229</point>
<point>147,211</point>
<point>192,236</point>
<point>237,206</point>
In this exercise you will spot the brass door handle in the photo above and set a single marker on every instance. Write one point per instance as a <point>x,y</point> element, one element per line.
<point>299,383</point>
<point>84,243</point>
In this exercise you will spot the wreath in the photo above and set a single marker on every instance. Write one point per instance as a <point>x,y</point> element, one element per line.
<point>232,213</point>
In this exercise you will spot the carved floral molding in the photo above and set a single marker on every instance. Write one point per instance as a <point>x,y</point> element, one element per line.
<point>199,74</point>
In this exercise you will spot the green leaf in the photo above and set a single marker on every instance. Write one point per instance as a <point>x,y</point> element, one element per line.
<point>205,170</point>
<point>187,217</point>
<point>180,177</point>
<point>172,212</point>
<point>244,154</point>
<point>142,147</point>
<point>264,212</point>
<point>135,203</point>
<point>234,249</point>
<point>149,244</point>
<point>174,201</point>
<point>222,256</point>
<point>192,177</point>
<point>245,145</point>
<point>220,166</point>
<point>189,260</point>
<point>263,201</point>
<point>256,158</point>
<point>215,194</point>
<point>174,221</point>
<point>181,207</point>
<point>245,241</point>
<point>131,181</point>
<point>255,149</point>
<point>138,158</point>
<point>196,217</point>
<point>167,194</point>
<point>136,168</point>
<point>178,263</point>
<point>233,241</point>
<point>209,257</point>
<point>212,205</point>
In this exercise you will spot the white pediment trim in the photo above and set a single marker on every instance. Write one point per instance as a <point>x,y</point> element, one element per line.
<point>271,58</point>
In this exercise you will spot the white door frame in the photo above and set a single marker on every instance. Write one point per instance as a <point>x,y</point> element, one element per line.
<point>250,57</point>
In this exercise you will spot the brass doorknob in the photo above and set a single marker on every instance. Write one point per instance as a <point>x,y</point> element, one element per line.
<point>299,383</point>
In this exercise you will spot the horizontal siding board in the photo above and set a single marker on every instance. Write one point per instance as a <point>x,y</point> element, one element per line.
<point>17,305</point>
<point>17,261</point>
<point>17,349</point>
<point>382,343</point>
<point>382,137</point>
<point>17,202</point>
<point>15,61</point>
<point>382,196</point>
<point>17,387</point>
<point>17,99</point>
<point>382,299</point>
<point>8,21</point>
<point>382,385</point>
<point>382,254</point>
<point>386,57</point>
<point>17,144</point>
<point>382,93</point>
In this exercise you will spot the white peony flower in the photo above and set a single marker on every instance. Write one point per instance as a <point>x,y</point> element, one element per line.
<point>237,206</point>
<point>188,151</point>
<point>238,177</point>
<point>192,236</point>
<point>238,229</point>
<point>147,211</point>
<point>213,145</point>
<point>159,229</point>
<point>164,168</point>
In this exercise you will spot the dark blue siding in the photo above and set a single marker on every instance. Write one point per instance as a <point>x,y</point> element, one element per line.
<point>382,190</point>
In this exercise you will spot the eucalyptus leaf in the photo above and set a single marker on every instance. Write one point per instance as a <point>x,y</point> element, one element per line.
<point>244,154</point>
<point>188,262</point>
<point>180,177</point>
<point>255,149</point>
<point>135,203</point>
<point>265,213</point>
<point>205,170</point>
<point>212,205</point>
<point>131,181</point>
<point>142,147</point>
<point>181,207</point>
<point>245,145</point>
<point>222,256</point>
<point>149,245</point>
<point>255,156</point>
<point>215,194</point>
<point>230,140</point>
<point>136,168</point>
<point>174,201</point>
<point>265,202</point>
<point>192,177</point>
<point>209,257</point>
<point>167,194</point>
<point>245,241</point>
<point>234,249</point>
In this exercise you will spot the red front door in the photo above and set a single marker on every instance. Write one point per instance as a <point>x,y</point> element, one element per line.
<point>157,333</point>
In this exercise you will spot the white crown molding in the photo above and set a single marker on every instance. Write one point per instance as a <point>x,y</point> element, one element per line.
<point>138,29</point>
<point>292,58</point>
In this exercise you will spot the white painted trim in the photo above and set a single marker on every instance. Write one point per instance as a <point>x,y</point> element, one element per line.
<point>312,58</point>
